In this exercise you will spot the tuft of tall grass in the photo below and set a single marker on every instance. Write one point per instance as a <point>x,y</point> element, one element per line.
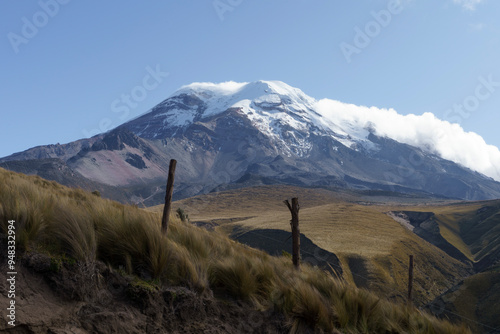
<point>75,232</point>
<point>22,201</point>
<point>196,241</point>
<point>235,276</point>
<point>131,238</point>
<point>309,307</point>
<point>181,267</point>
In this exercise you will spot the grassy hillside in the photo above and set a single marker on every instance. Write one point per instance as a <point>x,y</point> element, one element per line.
<point>73,226</point>
<point>373,248</point>
<point>476,299</point>
<point>474,229</point>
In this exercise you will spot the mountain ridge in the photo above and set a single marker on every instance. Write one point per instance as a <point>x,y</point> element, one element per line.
<point>240,134</point>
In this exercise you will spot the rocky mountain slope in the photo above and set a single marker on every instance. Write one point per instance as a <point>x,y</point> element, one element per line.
<point>232,135</point>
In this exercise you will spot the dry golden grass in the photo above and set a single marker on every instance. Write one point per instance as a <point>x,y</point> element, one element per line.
<point>336,223</point>
<point>59,220</point>
<point>455,221</point>
<point>332,220</point>
<point>248,202</point>
<point>343,228</point>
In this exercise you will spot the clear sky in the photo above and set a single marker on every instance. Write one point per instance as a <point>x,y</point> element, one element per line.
<point>70,68</point>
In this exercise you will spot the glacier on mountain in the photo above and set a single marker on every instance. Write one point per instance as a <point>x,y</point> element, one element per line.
<point>289,116</point>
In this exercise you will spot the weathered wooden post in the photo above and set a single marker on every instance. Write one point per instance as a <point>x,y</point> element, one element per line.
<point>410,280</point>
<point>168,197</point>
<point>294,210</point>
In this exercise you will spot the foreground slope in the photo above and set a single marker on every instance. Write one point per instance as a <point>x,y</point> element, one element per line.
<point>92,265</point>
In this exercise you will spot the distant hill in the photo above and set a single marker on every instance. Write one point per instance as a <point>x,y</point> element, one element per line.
<point>453,241</point>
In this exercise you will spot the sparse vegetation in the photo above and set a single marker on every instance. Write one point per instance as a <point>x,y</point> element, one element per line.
<point>183,216</point>
<point>79,225</point>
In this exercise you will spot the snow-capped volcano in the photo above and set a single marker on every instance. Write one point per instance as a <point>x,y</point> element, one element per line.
<point>283,113</point>
<point>199,101</point>
<point>290,117</point>
<point>267,132</point>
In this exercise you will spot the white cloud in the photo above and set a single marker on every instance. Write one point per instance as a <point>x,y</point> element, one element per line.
<point>223,88</point>
<point>468,4</point>
<point>426,131</point>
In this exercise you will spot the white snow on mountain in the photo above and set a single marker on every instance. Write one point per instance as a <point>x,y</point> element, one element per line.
<point>279,110</point>
<point>177,117</point>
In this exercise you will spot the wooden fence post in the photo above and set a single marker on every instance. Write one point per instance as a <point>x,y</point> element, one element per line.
<point>410,280</point>
<point>168,197</point>
<point>294,210</point>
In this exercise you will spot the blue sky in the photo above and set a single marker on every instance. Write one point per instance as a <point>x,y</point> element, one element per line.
<point>68,66</point>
